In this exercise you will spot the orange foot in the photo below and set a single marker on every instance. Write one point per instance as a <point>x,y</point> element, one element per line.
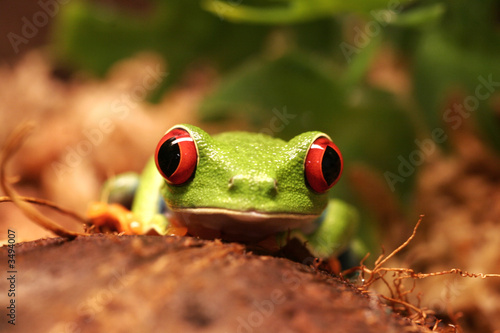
<point>105,218</point>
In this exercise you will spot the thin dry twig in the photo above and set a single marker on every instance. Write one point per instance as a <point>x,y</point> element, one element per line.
<point>406,305</point>
<point>381,261</point>
<point>46,203</point>
<point>406,273</point>
<point>399,294</point>
<point>14,142</point>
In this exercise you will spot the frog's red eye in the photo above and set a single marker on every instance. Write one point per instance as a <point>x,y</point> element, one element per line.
<point>176,156</point>
<point>323,165</point>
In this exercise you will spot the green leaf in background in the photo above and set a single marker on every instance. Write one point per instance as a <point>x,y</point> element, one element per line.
<point>94,37</point>
<point>420,17</point>
<point>91,36</point>
<point>291,11</point>
<point>259,88</point>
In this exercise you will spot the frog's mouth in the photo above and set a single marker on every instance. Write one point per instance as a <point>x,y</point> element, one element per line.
<point>240,225</point>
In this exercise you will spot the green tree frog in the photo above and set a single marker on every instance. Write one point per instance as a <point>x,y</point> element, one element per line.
<point>245,187</point>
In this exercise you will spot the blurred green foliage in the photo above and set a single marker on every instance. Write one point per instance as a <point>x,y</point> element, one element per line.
<point>293,65</point>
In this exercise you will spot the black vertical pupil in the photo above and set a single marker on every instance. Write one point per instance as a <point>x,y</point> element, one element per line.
<point>330,165</point>
<point>169,156</point>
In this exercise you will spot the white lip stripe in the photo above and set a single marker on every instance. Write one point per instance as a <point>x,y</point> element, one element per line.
<point>253,214</point>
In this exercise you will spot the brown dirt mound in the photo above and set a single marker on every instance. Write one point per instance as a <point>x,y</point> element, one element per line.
<point>107,283</point>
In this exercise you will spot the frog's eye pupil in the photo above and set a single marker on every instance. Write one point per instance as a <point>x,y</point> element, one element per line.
<point>331,165</point>
<point>323,165</point>
<point>176,156</point>
<point>169,157</point>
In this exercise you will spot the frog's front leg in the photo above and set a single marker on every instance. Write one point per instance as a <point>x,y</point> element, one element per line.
<point>334,230</point>
<point>148,203</point>
<point>132,204</point>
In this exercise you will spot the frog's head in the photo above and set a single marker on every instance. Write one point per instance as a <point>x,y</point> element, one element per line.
<point>246,185</point>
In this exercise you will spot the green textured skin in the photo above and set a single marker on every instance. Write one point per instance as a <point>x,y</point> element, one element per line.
<point>248,172</point>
